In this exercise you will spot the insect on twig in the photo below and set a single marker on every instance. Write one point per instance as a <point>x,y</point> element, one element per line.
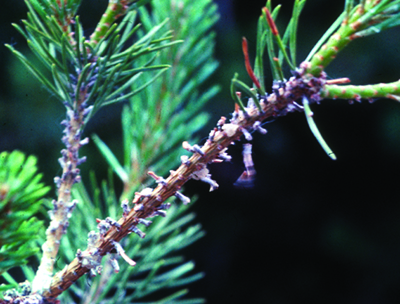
<point>246,179</point>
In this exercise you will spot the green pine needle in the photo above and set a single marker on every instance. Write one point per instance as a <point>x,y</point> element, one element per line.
<point>315,131</point>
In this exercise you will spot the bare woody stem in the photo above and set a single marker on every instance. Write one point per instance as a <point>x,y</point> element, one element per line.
<point>63,206</point>
<point>222,139</point>
<point>146,205</point>
<point>63,11</point>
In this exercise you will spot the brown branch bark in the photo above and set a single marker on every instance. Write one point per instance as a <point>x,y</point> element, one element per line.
<point>277,104</point>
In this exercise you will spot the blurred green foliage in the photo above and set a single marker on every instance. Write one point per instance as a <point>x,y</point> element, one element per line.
<point>20,199</point>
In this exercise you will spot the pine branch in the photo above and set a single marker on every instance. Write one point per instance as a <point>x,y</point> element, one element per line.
<point>83,76</point>
<point>63,206</point>
<point>307,84</point>
<point>149,202</point>
<point>171,234</point>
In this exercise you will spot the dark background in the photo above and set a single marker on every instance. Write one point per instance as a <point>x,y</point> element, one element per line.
<point>312,230</point>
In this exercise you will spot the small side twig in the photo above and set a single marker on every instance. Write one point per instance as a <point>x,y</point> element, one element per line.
<point>63,206</point>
